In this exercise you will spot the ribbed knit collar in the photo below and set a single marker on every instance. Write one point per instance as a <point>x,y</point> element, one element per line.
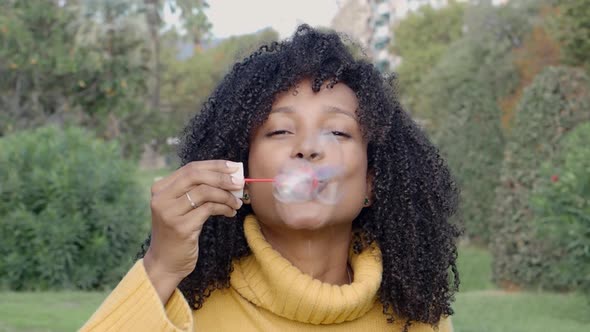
<point>270,281</point>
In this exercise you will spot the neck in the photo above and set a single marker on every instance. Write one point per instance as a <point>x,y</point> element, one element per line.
<point>321,253</point>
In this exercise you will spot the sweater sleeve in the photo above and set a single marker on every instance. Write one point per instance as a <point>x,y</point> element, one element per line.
<point>134,305</point>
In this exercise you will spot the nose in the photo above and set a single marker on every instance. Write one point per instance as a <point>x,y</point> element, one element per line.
<point>311,156</point>
<point>309,148</point>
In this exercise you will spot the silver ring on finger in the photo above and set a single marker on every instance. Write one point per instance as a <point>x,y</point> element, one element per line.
<point>193,204</point>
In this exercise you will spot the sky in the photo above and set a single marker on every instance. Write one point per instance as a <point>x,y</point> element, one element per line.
<point>238,17</point>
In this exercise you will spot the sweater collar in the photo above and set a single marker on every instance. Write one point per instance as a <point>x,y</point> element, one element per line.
<point>270,281</point>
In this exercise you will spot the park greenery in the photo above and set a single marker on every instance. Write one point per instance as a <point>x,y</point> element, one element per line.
<point>72,210</point>
<point>478,307</point>
<point>110,66</point>
<point>504,92</point>
<point>86,86</point>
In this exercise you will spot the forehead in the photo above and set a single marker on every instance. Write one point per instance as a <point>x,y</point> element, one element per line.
<point>340,95</point>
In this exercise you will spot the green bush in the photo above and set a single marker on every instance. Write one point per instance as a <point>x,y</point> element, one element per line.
<point>459,101</point>
<point>72,215</point>
<point>555,103</point>
<point>561,203</point>
<point>573,29</point>
<point>473,142</point>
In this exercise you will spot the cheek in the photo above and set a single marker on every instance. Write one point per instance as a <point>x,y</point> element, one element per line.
<point>356,174</point>
<point>355,158</point>
<point>264,162</point>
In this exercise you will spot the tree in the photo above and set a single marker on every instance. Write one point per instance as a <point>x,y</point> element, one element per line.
<point>194,23</point>
<point>421,39</point>
<point>80,62</point>
<point>33,57</point>
<point>458,99</point>
<point>188,82</point>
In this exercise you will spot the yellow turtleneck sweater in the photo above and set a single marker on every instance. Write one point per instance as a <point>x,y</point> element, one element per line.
<point>267,293</point>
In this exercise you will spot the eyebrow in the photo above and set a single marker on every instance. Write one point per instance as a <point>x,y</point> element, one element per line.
<point>325,109</point>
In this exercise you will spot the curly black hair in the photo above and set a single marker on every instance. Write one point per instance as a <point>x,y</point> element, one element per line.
<point>413,190</point>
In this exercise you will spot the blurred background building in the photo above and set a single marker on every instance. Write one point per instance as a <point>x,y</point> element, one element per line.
<point>371,23</point>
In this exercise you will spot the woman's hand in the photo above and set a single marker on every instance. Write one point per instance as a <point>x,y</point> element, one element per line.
<point>176,224</point>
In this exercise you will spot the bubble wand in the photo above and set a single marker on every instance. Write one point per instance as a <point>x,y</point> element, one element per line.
<point>300,180</point>
<point>251,180</point>
<point>314,184</point>
<point>301,173</point>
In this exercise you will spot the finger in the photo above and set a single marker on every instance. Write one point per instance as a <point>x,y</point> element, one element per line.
<point>222,166</point>
<point>197,217</point>
<point>200,195</point>
<point>211,178</point>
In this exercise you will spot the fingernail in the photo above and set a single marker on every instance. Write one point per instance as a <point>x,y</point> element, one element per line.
<point>240,203</point>
<point>235,212</point>
<point>231,164</point>
<point>236,180</point>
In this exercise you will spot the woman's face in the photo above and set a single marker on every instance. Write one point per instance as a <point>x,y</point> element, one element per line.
<point>322,129</point>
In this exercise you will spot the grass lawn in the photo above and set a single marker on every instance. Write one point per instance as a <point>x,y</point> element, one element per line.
<point>479,306</point>
<point>497,311</point>
<point>475,269</point>
<point>46,311</point>
<point>476,311</point>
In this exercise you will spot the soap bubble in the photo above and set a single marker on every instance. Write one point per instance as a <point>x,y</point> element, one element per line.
<point>301,180</point>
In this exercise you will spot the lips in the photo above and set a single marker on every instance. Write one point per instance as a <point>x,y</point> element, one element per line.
<point>322,185</point>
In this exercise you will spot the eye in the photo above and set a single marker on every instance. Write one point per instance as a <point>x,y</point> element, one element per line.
<point>278,132</point>
<point>340,133</point>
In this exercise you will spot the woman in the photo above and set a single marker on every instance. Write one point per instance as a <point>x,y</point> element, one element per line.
<point>381,259</point>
